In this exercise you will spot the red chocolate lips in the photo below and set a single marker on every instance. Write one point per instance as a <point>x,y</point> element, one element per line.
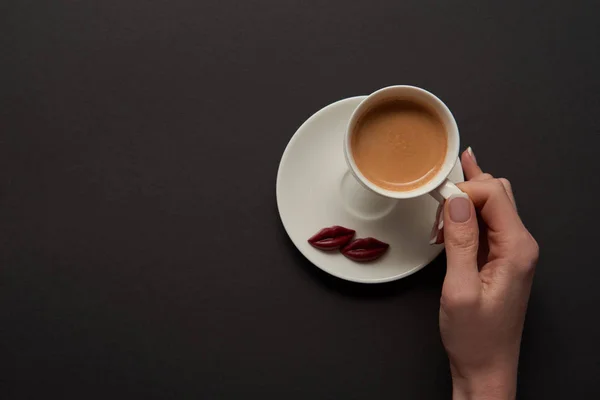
<point>367,249</point>
<point>338,237</point>
<point>332,238</point>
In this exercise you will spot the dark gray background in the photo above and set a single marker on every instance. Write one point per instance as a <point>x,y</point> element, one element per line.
<point>141,253</point>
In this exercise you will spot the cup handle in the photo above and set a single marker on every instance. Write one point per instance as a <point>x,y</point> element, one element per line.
<point>444,191</point>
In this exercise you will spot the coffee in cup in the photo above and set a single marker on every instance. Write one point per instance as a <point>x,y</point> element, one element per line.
<point>399,145</point>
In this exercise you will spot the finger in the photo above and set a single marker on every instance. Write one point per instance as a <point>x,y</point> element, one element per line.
<point>440,237</point>
<point>438,224</point>
<point>493,203</point>
<point>508,187</point>
<point>461,236</point>
<point>505,182</point>
<point>474,173</point>
<point>469,164</point>
<point>482,177</point>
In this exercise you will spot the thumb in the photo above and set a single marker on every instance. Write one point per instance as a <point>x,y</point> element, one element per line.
<point>461,236</point>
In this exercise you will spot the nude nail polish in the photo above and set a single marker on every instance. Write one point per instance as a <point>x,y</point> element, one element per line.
<point>471,154</point>
<point>459,208</point>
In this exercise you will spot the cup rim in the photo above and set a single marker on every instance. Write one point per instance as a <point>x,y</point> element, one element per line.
<point>449,161</point>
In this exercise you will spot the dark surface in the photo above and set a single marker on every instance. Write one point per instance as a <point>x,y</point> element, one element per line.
<point>141,253</point>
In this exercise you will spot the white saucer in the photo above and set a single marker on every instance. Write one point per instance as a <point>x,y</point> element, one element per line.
<point>315,190</point>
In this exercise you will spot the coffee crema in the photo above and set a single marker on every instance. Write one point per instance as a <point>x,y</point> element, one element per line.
<point>399,145</point>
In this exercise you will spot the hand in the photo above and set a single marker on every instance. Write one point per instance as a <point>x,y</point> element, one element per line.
<point>490,269</point>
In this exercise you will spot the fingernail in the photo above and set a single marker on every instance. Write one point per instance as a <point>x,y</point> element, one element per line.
<point>435,230</point>
<point>434,234</point>
<point>459,208</point>
<point>470,151</point>
<point>433,238</point>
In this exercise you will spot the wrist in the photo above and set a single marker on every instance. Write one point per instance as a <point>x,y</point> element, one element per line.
<point>500,384</point>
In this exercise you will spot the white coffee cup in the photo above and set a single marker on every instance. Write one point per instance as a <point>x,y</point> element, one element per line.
<point>439,186</point>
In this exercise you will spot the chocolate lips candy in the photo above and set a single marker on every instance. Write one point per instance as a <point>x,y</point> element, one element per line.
<point>332,238</point>
<point>363,250</point>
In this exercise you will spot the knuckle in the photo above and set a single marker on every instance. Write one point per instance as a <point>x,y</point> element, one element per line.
<point>528,255</point>
<point>534,250</point>
<point>482,177</point>
<point>506,183</point>
<point>525,268</point>
<point>459,299</point>
<point>498,186</point>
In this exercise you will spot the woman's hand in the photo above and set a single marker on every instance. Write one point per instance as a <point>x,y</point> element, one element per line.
<point>491,261</point>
